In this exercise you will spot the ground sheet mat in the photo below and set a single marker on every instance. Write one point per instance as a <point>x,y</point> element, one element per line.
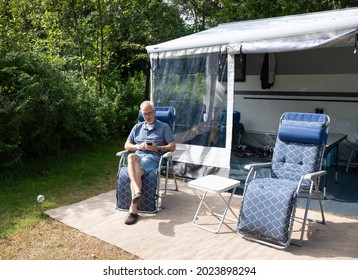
<point>170,234</point>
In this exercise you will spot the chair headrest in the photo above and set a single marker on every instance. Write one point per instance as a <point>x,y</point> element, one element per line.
<point>305,117</point>
<point>302,134</point>
<point>309,128</point>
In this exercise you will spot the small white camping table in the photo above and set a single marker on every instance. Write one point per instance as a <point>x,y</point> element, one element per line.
<point>217,185</point>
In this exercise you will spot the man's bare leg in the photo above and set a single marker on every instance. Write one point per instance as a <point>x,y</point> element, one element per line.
<point>135,173</point>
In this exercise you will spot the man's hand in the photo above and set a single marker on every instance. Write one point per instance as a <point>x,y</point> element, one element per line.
<point>151,147</point>
<point>147,147</point>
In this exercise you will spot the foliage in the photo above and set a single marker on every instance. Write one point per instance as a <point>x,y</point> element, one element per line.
<point>71,72</point>
<point>119,107</point>
<point>42,108</point>
<point>202,14</point>
<point>100,40</point>
<point>198,13</point>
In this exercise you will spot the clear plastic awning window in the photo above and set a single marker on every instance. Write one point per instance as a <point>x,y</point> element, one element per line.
<point>196,86</point>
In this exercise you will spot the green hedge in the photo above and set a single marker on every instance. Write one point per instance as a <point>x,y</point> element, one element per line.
<point>44,110</point>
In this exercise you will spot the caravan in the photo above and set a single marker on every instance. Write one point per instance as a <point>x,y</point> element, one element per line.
<point>257,69</point>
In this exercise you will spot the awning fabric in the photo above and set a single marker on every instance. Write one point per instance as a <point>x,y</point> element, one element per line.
<point>278,34</point>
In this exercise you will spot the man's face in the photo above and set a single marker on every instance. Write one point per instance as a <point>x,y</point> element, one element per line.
<point>149,115</point>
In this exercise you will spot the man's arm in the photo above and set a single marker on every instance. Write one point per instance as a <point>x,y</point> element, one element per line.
<point>130,146</point>
<point>167,148</point>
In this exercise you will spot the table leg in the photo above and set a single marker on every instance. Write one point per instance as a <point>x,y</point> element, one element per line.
<point>336,157</point>
<point>325,178</point>
<point>222,216</point>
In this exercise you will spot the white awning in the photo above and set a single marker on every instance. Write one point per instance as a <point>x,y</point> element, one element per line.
<point>278,34</point>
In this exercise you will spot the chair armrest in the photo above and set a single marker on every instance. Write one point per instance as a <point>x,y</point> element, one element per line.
<point>256,166</point>
<point>122,153</point>
<point>168,154</point>
<point>315,175</point>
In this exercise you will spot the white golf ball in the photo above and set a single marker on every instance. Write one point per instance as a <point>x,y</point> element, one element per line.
<point>40,198</point>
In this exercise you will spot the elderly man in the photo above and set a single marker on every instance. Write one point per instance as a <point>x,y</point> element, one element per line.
<point>148,140</point>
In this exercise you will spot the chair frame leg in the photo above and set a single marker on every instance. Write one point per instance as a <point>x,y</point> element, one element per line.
<point>350,158</point>
<point>314,187</point>
<point>169,165</point>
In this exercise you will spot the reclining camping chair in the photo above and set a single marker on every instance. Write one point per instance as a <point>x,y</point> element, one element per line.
<point>154,196</point>
<point>269,203</point>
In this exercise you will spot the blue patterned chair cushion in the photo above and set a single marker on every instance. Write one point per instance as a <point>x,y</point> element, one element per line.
<point>298,149</point>
<point>267,209</point>
<point>149,191</point>
<point>293,160</point>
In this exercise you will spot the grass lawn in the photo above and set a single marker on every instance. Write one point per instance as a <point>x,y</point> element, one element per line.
<point>71,177</point>
<point>26,234</point>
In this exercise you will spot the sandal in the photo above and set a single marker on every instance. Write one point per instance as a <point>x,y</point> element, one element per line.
<point>131,219</point>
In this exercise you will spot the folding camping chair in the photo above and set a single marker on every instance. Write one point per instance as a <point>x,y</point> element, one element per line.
<point>154,196</point>
<point>269,201</point>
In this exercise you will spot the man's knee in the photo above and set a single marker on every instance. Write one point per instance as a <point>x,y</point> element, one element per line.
<point>133,158</point>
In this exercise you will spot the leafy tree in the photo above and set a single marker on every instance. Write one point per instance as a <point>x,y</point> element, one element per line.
<point>197,13</point>
<point>99,40</point>
<point>202,14</point>
<point>71,72</point>
<point>42,109</point>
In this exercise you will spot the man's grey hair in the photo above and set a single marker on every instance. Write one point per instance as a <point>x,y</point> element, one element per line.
<point>147,102</point>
